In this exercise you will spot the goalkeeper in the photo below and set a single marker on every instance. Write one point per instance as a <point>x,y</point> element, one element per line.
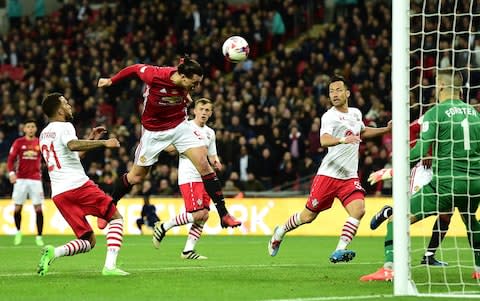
<point>452,129</point>
<point>421,175</point>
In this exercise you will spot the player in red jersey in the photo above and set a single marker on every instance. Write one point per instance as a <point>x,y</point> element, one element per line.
<point>164,120</point>
<point>74,194</point>
<point>23,164</point>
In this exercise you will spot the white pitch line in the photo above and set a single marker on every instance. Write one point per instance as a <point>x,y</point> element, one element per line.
<point>334,298</point>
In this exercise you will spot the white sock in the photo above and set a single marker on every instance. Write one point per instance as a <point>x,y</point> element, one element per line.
<point>348,233</point>
<point>292,223</point>
<point>73,247</point>
<point>193,236</point>
<point>179,220</point>
<point>114,242</point>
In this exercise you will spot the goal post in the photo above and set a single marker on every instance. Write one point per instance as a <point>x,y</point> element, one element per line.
<point>400,118</point>
<point>428,35</point>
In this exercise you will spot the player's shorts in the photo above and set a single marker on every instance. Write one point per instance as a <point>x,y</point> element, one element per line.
<point>76,204</point>
<point>183,137</point>
<point>195,196</point>
<point>419,177</point>
<point>24,188</point>
<point>325,189</point>
<point>443,195</point>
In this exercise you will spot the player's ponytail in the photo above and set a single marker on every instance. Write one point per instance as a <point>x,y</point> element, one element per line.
<point>189,67</point>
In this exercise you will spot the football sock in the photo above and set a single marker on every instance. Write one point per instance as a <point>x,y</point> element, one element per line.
<point>18,219</point>
<point>39,222</point>
<point>292,223</point>
<point>214,190</point>
<point>114,242</point>
<point>193,236</point>
<point>73,247</point>
<point>440,228</point>
<point>348,233</point>
<point>388,246</point>
<point>181,219</point>
<point>120,188</point>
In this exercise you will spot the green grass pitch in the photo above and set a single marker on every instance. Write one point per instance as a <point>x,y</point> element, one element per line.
<point>238,268</point>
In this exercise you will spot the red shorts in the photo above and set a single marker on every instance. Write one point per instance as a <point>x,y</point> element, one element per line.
<point>195,196</point>
<point>85,200</point>
<point>325,189</point>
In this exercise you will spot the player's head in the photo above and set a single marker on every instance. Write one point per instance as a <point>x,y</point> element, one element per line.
<point>57,108</point>
<point>191,73</point>
<point>338,91</point>
<point>30,128</point>
<point>203,110</point>
<point>448,84</point>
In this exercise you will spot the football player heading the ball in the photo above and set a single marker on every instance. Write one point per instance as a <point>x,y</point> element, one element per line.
<point>166,97</point>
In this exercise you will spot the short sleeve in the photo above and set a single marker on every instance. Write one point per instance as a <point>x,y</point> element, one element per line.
<point>327,124</point>
<point>68,133</point>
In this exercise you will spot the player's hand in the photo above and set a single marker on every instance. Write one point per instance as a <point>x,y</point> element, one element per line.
<point>13,178</point>
<point>217,165</point>
<point>171,150</point>
<point>380,175</point>
<point>104,82</point>
<point>112,143</point>
<point>97,133</point>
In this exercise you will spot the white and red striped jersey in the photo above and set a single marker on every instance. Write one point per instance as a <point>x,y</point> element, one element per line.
<point>341,161</point>
<point>164,102</point>
<point>64,167</point>
<point>187,173</point>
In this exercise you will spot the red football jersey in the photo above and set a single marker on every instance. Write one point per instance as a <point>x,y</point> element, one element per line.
<point>164,103</point>
<point>26,153</point>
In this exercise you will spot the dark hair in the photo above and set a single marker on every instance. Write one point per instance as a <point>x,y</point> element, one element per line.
<point>189,67</point>
<point>51,103</point>
<point>337,78</point>
<point>30,121</point>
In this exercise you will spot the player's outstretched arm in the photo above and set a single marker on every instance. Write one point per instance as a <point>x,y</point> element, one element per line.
<point>327,140</point>
<point>104,82</point>
<point>380,175</point>
<point>86,145</point>
<point>369,132</point>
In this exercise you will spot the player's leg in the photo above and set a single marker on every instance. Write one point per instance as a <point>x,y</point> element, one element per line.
<point>36,194</point>
<point>200,214</point>
<point>114,242</point>
<point>19,196</point>
<point>440,228</point>
<point>198,156</point>
<point>191,192</point>
<point>72,211</point>
<point>321,198</point>
<point>351,194</point>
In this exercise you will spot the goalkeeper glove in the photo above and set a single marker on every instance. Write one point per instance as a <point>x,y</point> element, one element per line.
<point>380,175</point>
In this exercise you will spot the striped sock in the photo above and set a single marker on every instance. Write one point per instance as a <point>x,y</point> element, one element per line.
<point>179,220</point>
<point>114,242</point>
<point>292,223</point>
<point>193,236</point>
<point>74,247</point>
<point>348,232</point>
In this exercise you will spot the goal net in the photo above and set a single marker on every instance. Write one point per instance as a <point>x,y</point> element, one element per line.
<point>439,34</point>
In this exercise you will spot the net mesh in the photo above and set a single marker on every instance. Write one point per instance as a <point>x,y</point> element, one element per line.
<point>443,33</point>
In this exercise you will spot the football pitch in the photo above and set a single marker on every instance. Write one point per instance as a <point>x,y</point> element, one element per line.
<point>238,268</point>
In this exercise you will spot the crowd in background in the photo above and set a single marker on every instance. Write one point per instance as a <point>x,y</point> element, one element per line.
<point>267,109</point>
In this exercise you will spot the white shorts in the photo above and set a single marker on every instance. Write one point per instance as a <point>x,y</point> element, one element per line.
<point>183,137</point>
<point>419,177</point>
<point>24,188</point>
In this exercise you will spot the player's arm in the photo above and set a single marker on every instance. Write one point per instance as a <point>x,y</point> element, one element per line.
<point>369,132</point>
<point>86,145</point>
<point>12,157</point>
<point>142,71</point>
<point>95,134</point>
<point>327,140</point>
<point>427,135</point>
<point>215,162</point>
<point>212,153</point>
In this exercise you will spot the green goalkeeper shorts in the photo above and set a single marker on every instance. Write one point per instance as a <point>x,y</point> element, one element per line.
<point>443,196</point>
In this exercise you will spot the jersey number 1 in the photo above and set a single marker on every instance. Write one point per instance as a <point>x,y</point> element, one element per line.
<point>466,134</point>
<point>46,155</point>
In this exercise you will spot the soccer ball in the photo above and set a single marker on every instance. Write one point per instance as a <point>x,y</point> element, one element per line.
<point>235,49</point>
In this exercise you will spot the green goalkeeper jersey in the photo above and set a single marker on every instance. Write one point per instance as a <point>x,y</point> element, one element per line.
<point>452,129</point>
